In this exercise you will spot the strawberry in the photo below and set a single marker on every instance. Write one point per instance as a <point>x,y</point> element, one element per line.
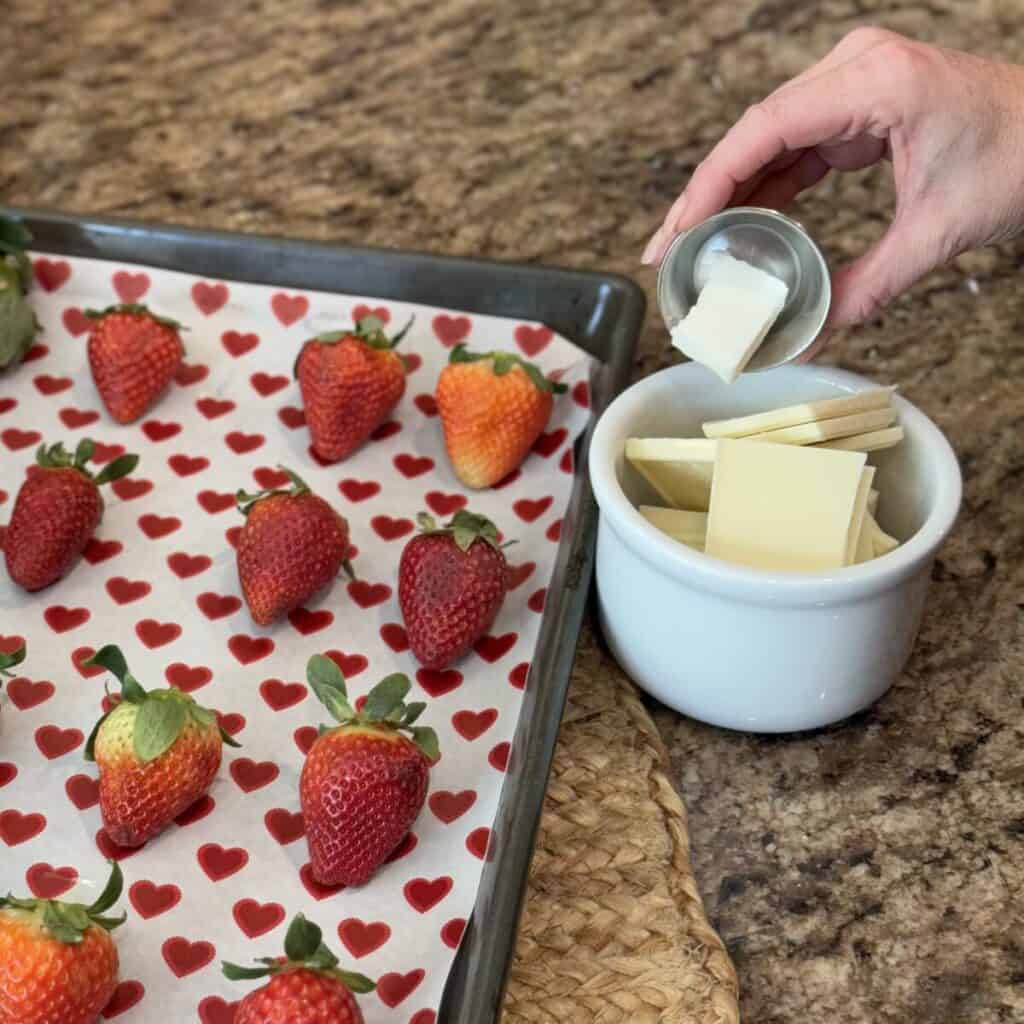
<point>18,323</point>
<point>306,985</point>
<point>452,581</point>
<point>56,512</point>
<point>58,963</point>
<point>158,753</point>
<point>350,382</point>
<point>364,781</point>
<point>134,354</point>
<point>493,407</point>
<point>292,545</point>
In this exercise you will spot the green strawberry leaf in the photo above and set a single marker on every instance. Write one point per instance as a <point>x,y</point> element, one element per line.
<point>227,739</point>
<point>8,661</point>
<point>328,684</point>
<point>426,739</point>
<point>108,923</point>
<point>18,324</point>
<point>412,712</point>
<point>157,726</point>
<point>235,973</point>
<point>303,938</point>
<point>134,309</point>
<point>111,891</point>
<point>14,233</point>
<point>83,453</point>
<point>386,697</point>
<point>322,959</point>
<point>110,658</point>
<point>354,982</point>
<point>62,925</point>
<point>503,362</point>
<point>427,522</point>
<point>120,467</point>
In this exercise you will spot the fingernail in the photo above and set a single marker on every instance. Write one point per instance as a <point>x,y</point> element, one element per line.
<point>651,248</point>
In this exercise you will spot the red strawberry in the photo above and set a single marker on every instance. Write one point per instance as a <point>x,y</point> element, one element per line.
<point>493,406</point>
<point>364,781</point>
<point>58,963</point>
<point>451,585</point>
<point>158,753</point>
<point>292,544</point>
<point>134,354</point>
<point>306,985</point>
<point>56,513</point>
<point>350,382</point>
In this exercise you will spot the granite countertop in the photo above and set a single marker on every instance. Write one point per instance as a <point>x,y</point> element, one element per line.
<point>869,873</point>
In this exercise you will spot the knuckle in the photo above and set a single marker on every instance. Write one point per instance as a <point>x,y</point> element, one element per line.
<point>864,36</point>
<point>902,62</point>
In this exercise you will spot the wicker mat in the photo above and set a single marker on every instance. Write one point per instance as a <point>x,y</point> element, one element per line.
<point>614,928</point>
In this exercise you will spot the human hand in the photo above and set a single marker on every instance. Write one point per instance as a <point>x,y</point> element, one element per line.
<point>952,125</point>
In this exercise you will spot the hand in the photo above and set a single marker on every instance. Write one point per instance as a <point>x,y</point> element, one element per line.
<point>952,125</point>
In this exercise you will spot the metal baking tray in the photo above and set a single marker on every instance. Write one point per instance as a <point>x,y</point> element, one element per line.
<point>602,314</point>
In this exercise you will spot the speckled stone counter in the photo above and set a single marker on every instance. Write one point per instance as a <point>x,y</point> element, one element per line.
<point>869,873</point>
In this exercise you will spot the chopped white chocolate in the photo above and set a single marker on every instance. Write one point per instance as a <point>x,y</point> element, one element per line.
<point>679,469</point>
<point>688,528</point>
<point>872,441</point>
<point>826,430</point>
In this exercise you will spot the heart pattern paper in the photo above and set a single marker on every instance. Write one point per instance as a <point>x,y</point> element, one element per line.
<point>159,579</point>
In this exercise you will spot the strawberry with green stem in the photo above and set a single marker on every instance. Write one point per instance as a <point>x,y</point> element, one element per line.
<point>306,986</point>
<point>58,962</point>
<point>158,751</point>
<point>365,780</point>
<point>56,512</point>
<point>18,323</point>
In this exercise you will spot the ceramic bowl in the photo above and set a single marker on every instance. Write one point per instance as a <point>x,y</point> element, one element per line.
<point>744,648</point>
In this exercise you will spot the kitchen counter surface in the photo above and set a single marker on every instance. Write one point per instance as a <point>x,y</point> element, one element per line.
<point>869,873</point>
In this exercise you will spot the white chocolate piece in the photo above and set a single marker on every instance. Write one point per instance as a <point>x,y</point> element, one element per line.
<point>872,441</point>
<point>688,528</point>
<point>679,469</point>
<point>826,430</point>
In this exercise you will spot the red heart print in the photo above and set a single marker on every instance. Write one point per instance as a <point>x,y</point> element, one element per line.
<point>184,957</point>
<point>268,383</point>
<point>130,287</point>
<point>270,479</point>
<point>413,361</point>
<point>554,531</point>
<point>450,330</point>
<point>82,654</point>
<point>547,444</point>
<point>313,887</point>
<point>581,394</point>
<point>350,664</point>
<point>214,1010</point>
<point>54,742</point>
<point>279,695</point>
<point>478,841</point>
<point>215,502</point>
<point>16,828</point>
<point>61,619</point>
<point>517,677</point>
<point>15,439</point>
<point>498,757</point>
<point>532,340</point>
<point>232,535</point>
<point>8,773</point>
<point>186,678</point>
<point>7,404</point>
<point>236,344</point>
<point>74,418</point>
<point>427,404</point>
<point>151,900</point>
<point>358,490</point>
<point>256,919</point>
<point>104,453</point>
<point>423,1017</point>
<point>537,599</point>
<point>75,321</point>
<point>127,994</point>
<point>519,574</point>
<point>219,862</point>
<point>190,373</point>
<point>35,352</point>
<point>451,933</point>
<point>412,466</point>
<point>97,550</point>
<point>240,443</point>
<point>10,644</point>
<point>47,385</point>
<point>361,938</point>
<point>232,723</point>
<point>292,417</point>
<point>424,894</point>
<point>565,463</point>
<point>284,825</point>
<point>154,526</point>
<point>366,594</point>
<point>387,429</point>
<point>248,649</point>
<point>530,511</point>
<point>306,622</point>
<point>493,648</point>
<point>442,504</point>
<point>305,736</point>
<point>471,725</point>
<point>394,988</point>
<point>51,274</point>
<point>395,637</point>
<point>48,882</point>
<point>289,309</point>
<point>157,634</point>
<point>209,297</point>
<point>447,807</point>
<point>184,565</point>
<point>391,529</point>
<point>83,791</point>
<point>250,775</point>
<point>127,489</point>
<point>186,465</point>
<point>361,311</point>
<point>211,408</point>
<point>506,480</point>
<point>195,811</point>
<point>438,682</point>
<point>157,430</point>
<point>217,606</point>
<point>25,693</point>
<point>124,591</point>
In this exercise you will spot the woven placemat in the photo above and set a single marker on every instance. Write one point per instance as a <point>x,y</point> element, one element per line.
<point>613,927</point>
